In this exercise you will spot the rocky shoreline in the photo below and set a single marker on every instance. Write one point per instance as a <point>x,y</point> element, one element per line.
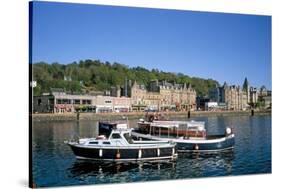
<point>137,115</point>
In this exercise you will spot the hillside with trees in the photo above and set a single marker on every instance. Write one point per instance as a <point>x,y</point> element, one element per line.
<point>94,75</point>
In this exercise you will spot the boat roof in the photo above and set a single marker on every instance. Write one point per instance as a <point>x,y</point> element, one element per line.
<point>117,124</point>
<point>121,130</point>
<point>172,124</point>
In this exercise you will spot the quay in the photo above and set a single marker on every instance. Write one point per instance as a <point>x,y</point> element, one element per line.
<point>138,115</point>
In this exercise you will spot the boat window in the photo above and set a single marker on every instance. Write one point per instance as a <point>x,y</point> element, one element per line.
<point>93,142</point>
<point>106,142</point>
<point>115,136</point>
<point>128,138</point>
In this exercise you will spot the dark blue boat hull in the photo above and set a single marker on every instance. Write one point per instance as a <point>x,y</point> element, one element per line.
<point>214,146</point>
<point>121,154</point>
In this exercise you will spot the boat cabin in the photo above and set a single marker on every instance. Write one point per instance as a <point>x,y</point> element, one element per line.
<point>186,129</point>
<point>105,128</point>
<point>118,137</point>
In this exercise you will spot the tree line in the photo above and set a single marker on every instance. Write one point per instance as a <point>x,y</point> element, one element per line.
<point>95,75</point>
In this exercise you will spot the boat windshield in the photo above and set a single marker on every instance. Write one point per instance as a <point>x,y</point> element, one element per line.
<point>128,138</point>
<point>115,136</point>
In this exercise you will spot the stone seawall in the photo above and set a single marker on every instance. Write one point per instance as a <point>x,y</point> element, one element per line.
<point>136,115</point>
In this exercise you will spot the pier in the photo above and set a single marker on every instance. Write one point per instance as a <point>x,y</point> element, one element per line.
<point>137,115</point>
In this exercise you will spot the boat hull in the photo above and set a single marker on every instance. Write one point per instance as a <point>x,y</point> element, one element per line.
<point>195,145</point>
<point>119,154</point>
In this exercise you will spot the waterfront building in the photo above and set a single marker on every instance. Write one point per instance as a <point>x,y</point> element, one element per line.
<point>252,93</point>
<point>237,98</point>
<point>183,96</point>
<point>234,97</point>
<point>267,102</point>
<point>43,104</point>
<point>121,104</point>
<point>162,95</point>
<point>201,101</point>
<point>59,101</point>
<point>264,92</point>
<point>211,106</point>
<point>103,103</point>
<point>158,95</point>
<point>138,97</point>
<point>265,97</point>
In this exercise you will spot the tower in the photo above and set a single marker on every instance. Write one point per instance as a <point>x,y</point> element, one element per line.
<point>246,89</point>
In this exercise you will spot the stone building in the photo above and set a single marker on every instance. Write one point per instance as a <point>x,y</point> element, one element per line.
<point>183,96</point>
<point>267,102</point>
<point>252,93</point>
<point>264,92</point>
<point>265,97</point>
<point>162,95</point>
<point>237,98</point>
<point>234,97</point>
<point>138,97</point>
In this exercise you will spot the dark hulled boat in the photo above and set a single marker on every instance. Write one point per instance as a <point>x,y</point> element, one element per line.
<point>119,146</point>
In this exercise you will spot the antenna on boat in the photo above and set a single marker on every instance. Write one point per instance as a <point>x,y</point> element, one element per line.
<point>127,120</point>
<point>75,133</point>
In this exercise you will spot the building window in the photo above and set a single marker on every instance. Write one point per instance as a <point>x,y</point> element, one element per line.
<point>63,101</point>
<point>66,101</point>
<point>51,101</point>
<point>76,101</point>
<point>59,101</point>
<point>39,102</point>
<point>108,101</point>
<point>86,102</point>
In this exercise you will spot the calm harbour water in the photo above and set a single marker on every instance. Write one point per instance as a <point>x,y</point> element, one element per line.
<point>55,165</point>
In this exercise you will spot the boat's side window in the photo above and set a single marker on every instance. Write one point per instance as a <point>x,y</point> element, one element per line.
<point>106,142</point>
<point>128,138</point>
<point>93,142</point>
<point>115,136</point>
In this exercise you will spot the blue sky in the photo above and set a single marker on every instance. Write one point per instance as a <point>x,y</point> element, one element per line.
<point>224,47</point>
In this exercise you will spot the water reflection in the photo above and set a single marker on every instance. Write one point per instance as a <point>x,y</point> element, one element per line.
<point>81,169</point>
<point>196,164</point>
<point>91,168</point>
<point>203,164</point>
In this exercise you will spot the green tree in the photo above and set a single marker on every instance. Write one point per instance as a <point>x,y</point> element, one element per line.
<point>96,75</point>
